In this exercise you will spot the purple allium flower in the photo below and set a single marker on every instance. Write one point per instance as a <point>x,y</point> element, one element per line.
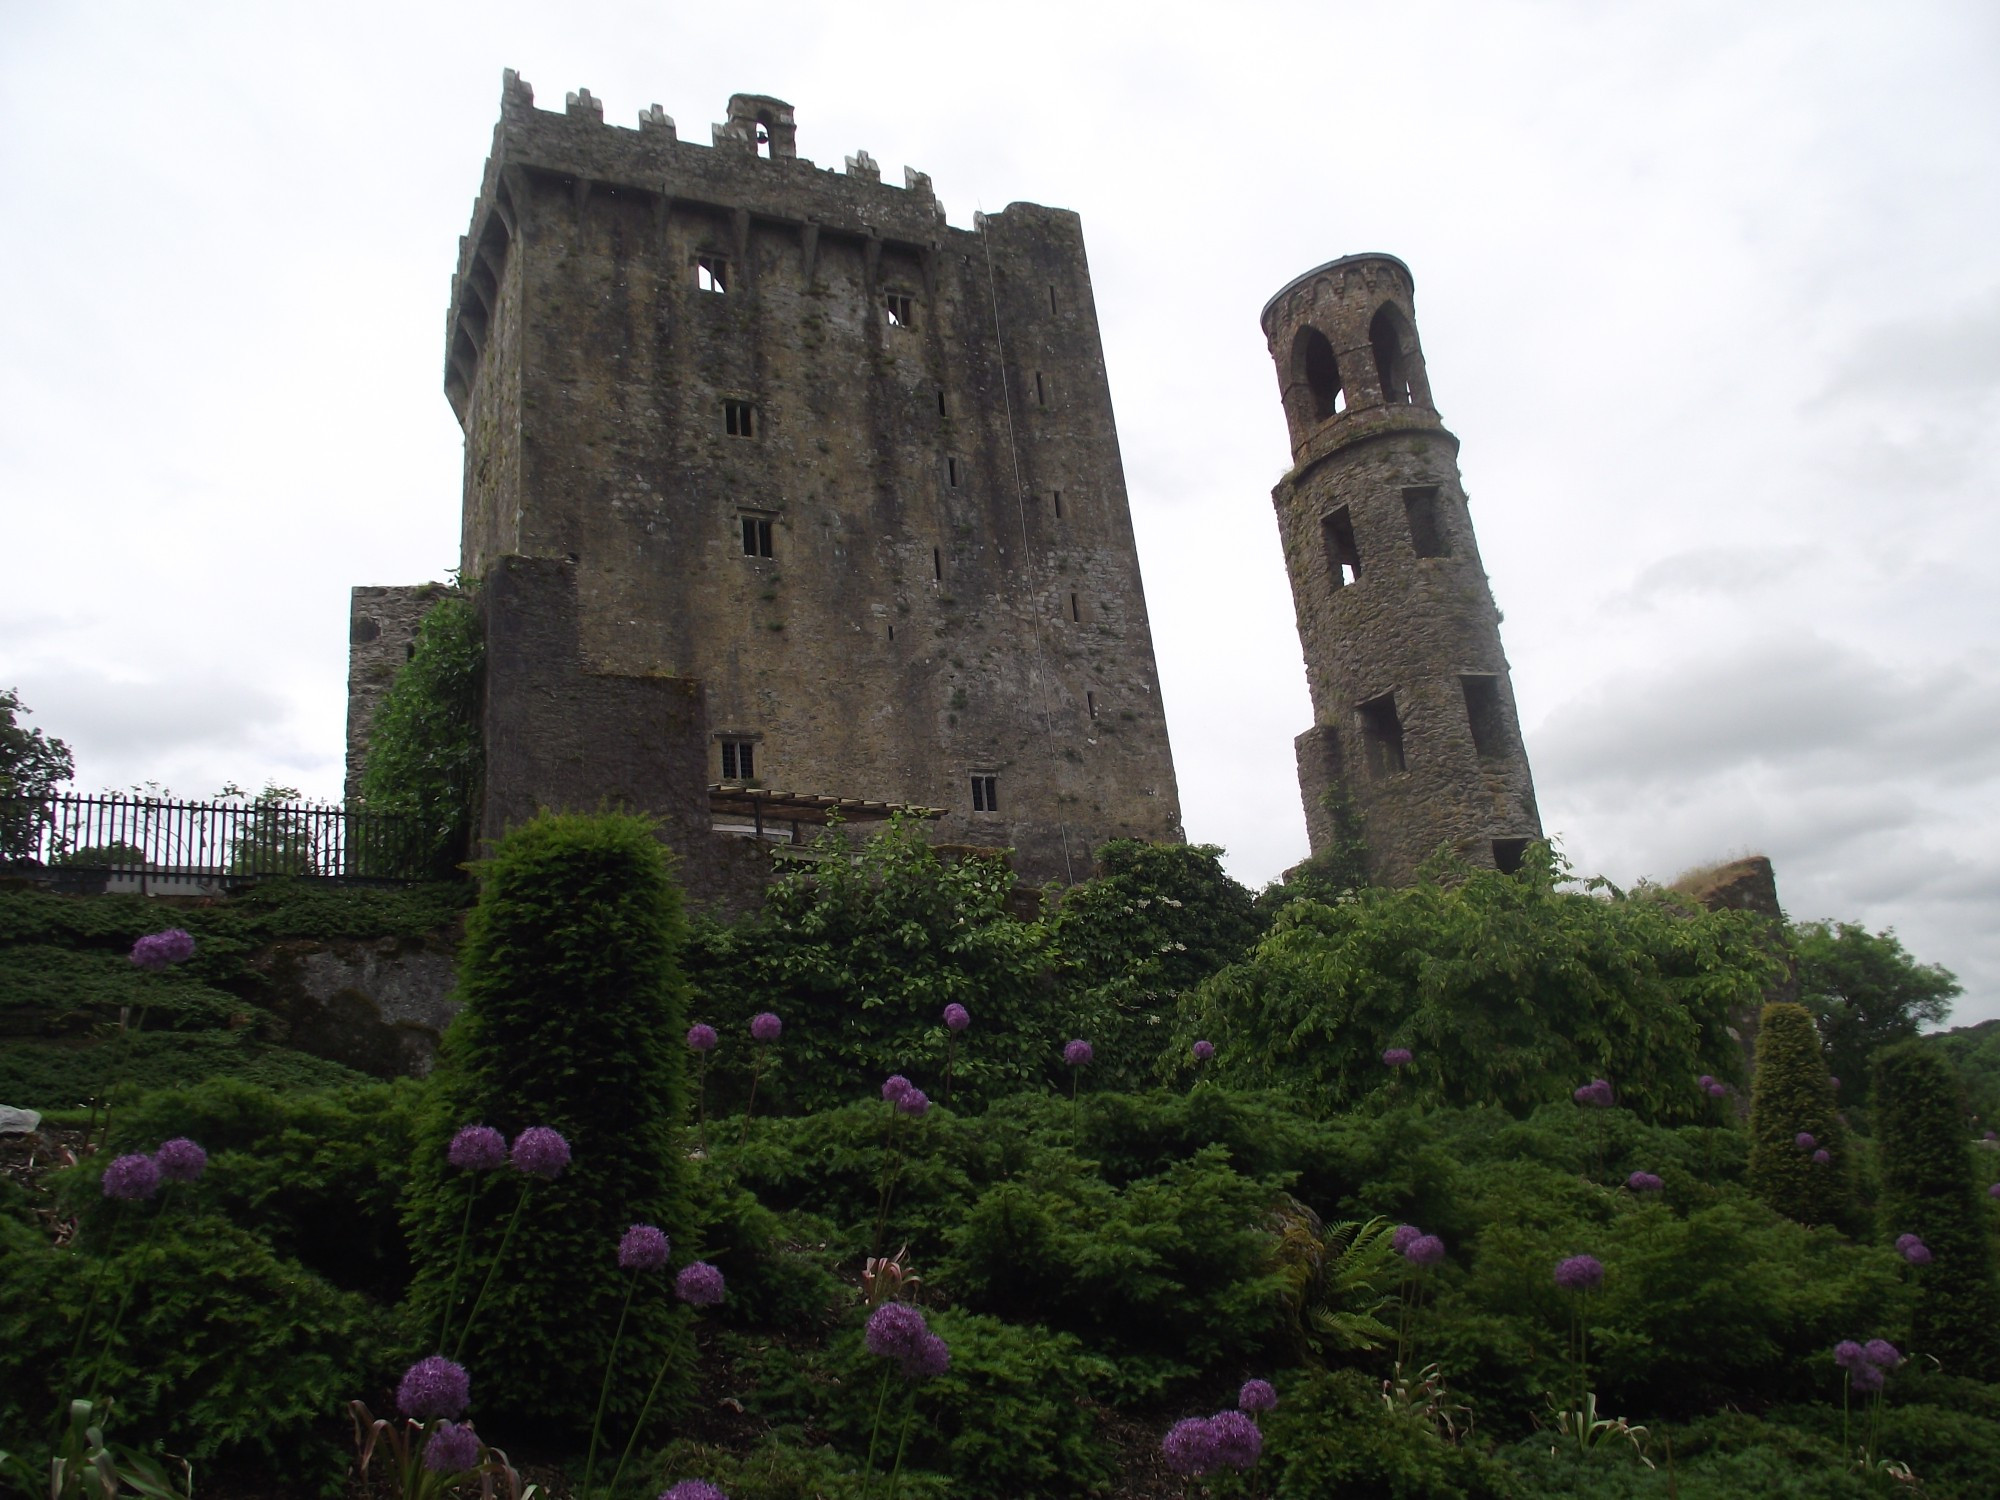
<point>452,1449</point>
<point>157,950</point>
<point>766,1027</point>
<point>914,1103</point>
<point>643,1248</point>
<point>1405,1236</point>
<point>1189,1446</point>
<point>1913,1249</point>
<point>434,1387</point>
<point>1203,1051</point>
<point>132,1178</point>
<point>1077,1054</point>
<point>1424,1250</point>
<point>1849,1355</point>
<point>1397,1057</point>
<point>1991,1135</point>
<point>702,1037</point>
<point>1705,1082</point>
<point>894,1330</point>
<point>699,1285</point>
<point>1866,1378</point>
<point>1257,1395</point>
<point>894,1087</point>
<point>1994,1191</point>
<point>1823,1156</point>
<point>956,1017</point>
<point>1882,1354</point>
<point>1718,1091</point>
<point>540,1152</point>
<point>1237,1440</point>
<point>1580,1273</point>
<point>1805,1140</point>
<point>693,1489</point>
<point>1644,1182</point>
<point>180,1160</point>
<point>477,1148</point>
<point>1834,1084</point>
<point>930,1358</point>
<point>1596,1093</point>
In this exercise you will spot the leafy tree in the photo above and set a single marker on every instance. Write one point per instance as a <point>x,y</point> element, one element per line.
<point>573,1014</point>
<point>1791,1096</point>
<point>32,765</point>
<point>426,752</point>
<point>1929,1191</point>
<point>1155,921</point>
<point>1866,991</point>
<point>1506,988</point>
<point>859,953</point>
<point>274,836</point>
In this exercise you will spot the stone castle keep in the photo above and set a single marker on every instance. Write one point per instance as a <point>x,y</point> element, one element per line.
<point>782,497</point>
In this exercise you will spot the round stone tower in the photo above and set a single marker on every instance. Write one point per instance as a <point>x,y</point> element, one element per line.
<point>1415,744</point>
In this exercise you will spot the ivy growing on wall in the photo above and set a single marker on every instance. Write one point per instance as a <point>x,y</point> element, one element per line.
<point>426,759</point>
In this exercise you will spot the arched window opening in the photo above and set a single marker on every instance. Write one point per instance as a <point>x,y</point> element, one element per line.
<point>1390,337</point>
<point>764,123</point>
<point>1313,363</point>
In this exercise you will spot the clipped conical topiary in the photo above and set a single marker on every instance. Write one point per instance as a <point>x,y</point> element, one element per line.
<point>573,1013</point>
<point>1798,1146</point>
<point>1929,1190</point>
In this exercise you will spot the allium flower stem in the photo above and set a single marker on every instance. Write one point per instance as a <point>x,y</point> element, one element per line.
<point>902,1441</point>
<point>125,1297</point>
<point>874,1436</point>
<point>682,1335</point>
<point>950,1053</point>
<point>89,1307</point>
<point>527,1187</point>
<point>701,1102</point>
<point>604,1391</point>
<point>458,1262</point>
<point>756,1072</point>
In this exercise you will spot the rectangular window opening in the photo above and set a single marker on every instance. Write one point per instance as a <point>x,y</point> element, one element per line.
<point>1090,702</point>
<point>739,761</point>
<point>1508,853</point>
<point>1426,532</point>
<point>1057,496</point>
<point>739,419</point>
<point>986,794</point>
<point>1486,714</point>
<point>1343,558</point>
<point>937,563</point>
<point>756,536</point>
<point>1041,390</point>
<point>711,274</point>
<point>941,411</point>
<point>892,632</point>
<point>899,309</point>
<point>1052,299</point>
<point>1075,610</point>
<point>951,472</point>
<point>1382,735</point>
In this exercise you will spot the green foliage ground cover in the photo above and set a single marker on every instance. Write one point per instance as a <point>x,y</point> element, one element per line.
<point>1100,1267</point>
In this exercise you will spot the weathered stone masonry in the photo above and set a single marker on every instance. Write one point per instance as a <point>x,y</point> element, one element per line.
<point>793,439</point>
<point>1416,735</point>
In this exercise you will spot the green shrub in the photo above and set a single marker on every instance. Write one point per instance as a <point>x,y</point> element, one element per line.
<point>573,1014</point>
<point>1793,1093</point>
<point>1332,1435</point>
<point>859,953</point>
<point>1508,990</point>
<point>318,1175</point>
<point>226,1350</point>
<point>426,750</point>
<point>50,1075</point>
<point>1928,1191</point>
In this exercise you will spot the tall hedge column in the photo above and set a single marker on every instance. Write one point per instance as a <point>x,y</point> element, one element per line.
<point>573,1010</point>
<point>1793,1119</point>
<point>1929,1191</point>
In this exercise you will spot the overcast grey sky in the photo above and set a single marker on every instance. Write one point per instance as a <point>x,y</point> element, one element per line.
<point>1709,292</point>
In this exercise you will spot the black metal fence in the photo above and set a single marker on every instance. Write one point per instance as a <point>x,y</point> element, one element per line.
<point>156,837</point>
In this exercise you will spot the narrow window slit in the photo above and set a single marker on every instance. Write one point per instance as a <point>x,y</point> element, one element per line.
<point>1343,558</point>
<point>1382,735</point>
